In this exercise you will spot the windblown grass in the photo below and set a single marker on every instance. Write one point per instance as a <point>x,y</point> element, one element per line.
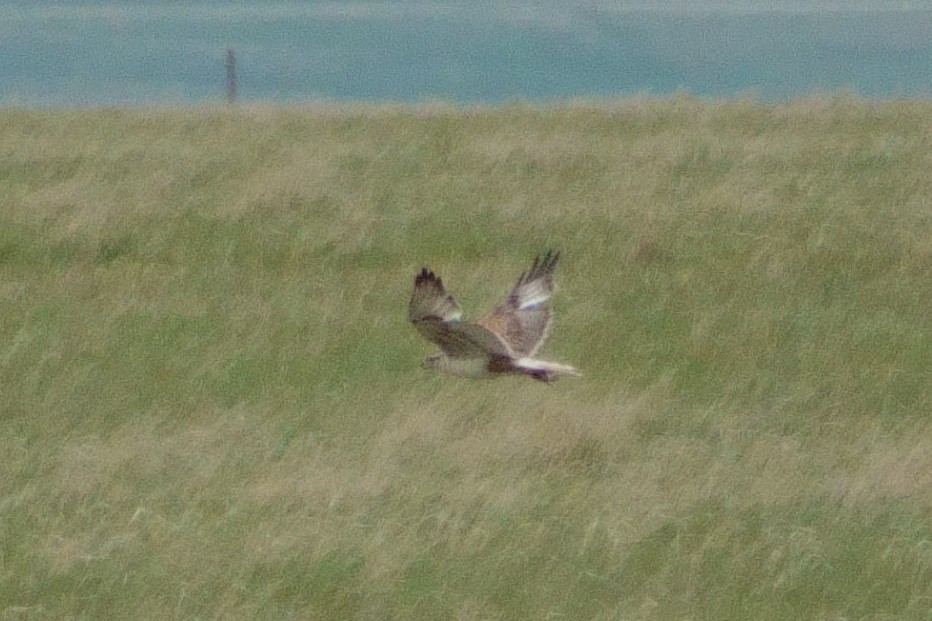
<point>212,407</point>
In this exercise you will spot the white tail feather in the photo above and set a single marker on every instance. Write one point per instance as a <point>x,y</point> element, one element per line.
<point>545,366</point>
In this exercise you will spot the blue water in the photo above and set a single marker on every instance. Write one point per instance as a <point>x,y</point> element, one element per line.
<point>105,53</point>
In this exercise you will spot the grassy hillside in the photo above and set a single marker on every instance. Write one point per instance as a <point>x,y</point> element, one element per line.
<point>212,407</point>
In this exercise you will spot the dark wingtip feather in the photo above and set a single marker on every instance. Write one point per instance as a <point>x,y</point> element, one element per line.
<point>550,260</point>
<point>540,267</point>
<point>427,277</point>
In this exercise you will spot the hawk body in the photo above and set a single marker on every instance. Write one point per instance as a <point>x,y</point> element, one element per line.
<point>504,341</point>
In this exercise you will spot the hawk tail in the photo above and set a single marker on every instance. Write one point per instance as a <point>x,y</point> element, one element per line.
<point>544,370</point>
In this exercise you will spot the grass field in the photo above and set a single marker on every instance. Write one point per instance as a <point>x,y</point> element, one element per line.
<point>212,407</point>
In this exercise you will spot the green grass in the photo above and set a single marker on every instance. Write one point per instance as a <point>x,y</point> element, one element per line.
<point>213,407</point>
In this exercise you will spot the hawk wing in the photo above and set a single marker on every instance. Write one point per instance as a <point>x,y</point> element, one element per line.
<point>522,321</point>
<point>437,316</point>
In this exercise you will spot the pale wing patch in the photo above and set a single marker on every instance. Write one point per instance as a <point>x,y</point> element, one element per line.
<point>523,319</point>
<point>535,301</point>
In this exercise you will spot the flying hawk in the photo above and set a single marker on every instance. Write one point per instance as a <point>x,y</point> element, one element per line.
<point>502,342</point>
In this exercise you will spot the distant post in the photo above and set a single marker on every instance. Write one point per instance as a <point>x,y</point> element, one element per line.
<point>230,63</point>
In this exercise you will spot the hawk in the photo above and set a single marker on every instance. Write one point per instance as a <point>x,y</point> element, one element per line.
<point>503,342</point>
